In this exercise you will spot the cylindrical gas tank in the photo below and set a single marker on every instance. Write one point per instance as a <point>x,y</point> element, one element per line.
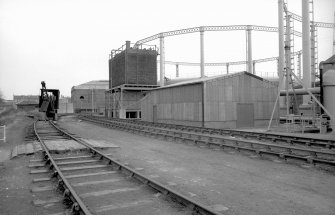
<point>328,84</point>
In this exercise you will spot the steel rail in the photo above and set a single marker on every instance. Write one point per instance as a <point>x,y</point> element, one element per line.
<point>312,157</point>
<point>78,204</point>
<point>328,143</point>
<point>195,206</point>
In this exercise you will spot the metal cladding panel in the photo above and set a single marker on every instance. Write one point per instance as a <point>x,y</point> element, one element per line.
<point>134,66</point>
<point>118,69</point>
<point>183,104</point>
<point>181,94</point>
<point>245,115</point>
<point>189,113</point>
<point>147,108</point>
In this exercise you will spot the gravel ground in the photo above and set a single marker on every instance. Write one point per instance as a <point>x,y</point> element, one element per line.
<point>15,180</point>
<point>232,182</point>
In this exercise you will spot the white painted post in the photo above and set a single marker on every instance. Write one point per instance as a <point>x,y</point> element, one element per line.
<point>162,60</point>
<point>202,54</point>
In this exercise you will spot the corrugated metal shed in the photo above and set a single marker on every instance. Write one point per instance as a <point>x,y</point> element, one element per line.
<point>226,101</point>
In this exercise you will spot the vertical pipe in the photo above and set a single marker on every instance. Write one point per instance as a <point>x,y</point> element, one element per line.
<point>110,71</point>
<point>288,65</point>
<point>202,54</point>
<point>313,52</point>
<point>249,50</point>
<point>321,85</point>
<point>334,36</point>
<point>281,48</point>
<point>227,66</point>
<point>177,70</point>
<point>92,101</point>
<point>203,99</point>
<point>162,60</point>
<point>306,49</point>
<point>114,104</point>
<point>299,65</point>
<point>121,116</point>
<point>254,67</point>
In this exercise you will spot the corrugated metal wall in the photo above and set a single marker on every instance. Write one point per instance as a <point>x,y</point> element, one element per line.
<point>174,105</point>
<point>183,104</point>
<point>225,93</point>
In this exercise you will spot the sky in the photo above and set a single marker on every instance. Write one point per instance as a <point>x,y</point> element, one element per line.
<point>67,42</point>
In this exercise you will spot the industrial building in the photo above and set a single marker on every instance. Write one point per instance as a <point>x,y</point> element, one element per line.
<point>89,97</point>
<point>132,73</point>
<point>26,98</point>
<point>327,71</point>
<point>228,101</point>
<point>65,105</point>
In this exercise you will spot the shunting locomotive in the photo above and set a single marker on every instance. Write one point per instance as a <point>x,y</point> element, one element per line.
<point>49,102</point>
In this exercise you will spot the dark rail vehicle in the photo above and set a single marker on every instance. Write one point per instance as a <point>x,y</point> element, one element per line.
<point>49,102</point>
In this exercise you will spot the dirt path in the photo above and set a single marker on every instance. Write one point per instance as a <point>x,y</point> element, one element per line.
<point>15,180</point>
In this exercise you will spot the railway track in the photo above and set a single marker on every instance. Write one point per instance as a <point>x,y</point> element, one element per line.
<point>315,151</point>
<point>92,182</point>
<point>268,136</point>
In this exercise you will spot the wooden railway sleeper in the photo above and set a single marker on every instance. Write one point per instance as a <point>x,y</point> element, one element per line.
<point>288,150</point>
<point>310,159</point>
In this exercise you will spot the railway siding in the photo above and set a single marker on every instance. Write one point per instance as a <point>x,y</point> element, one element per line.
<point>311,155</point>
<point>108,186</point>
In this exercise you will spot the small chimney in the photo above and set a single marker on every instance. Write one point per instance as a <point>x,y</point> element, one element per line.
<point>127,44</point>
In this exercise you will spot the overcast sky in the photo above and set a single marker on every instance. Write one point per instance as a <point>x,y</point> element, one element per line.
<point>67,42</point>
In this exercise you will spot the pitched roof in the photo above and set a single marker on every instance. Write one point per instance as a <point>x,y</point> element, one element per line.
<point>205,79</point>
<point>330,60</point>
<point>97,84</point>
